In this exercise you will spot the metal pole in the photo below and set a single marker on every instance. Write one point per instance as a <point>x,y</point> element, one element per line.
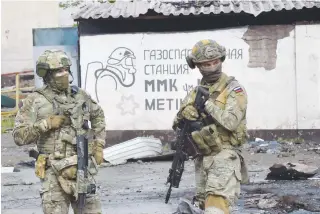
<point>17,91</point>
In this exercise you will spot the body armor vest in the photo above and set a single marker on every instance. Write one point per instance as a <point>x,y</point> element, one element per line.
<point>213,137</point>
<point>75,106</point>
<point>219,94</point>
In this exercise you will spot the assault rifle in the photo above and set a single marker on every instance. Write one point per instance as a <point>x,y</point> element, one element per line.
<point>185,147</point>
<point>82,168</point>
<point>82,186</point>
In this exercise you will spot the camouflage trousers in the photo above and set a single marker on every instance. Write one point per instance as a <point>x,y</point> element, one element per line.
<point>56,201</point>
<point>218,175</point>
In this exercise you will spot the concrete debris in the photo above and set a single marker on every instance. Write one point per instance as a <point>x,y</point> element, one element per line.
<point>291,171</point>
<point>316,150</point>
<point>261,201</point>
<point>290,203</point>
<point>186,207</point>
<point>138,187</point>
<point>27,163</point>
<point>270,147</point>
<point>285,154</point>
<point>267,203</point>
<point>301,211</point>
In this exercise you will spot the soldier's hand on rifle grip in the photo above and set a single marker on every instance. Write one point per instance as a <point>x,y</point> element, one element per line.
<point>190,113</point>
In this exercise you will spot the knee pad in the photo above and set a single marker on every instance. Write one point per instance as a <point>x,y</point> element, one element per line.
<point>216,204</point>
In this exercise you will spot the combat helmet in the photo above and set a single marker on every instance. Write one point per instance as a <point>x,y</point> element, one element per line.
<point>51,60</point>
<point>204,51</point>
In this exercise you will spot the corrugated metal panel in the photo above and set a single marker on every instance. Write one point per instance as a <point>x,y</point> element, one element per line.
<point>122,8</point>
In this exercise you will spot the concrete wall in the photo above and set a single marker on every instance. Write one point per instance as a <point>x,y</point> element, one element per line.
<point>278,66</point>
<point>307,45</point>
<point>18,18</point>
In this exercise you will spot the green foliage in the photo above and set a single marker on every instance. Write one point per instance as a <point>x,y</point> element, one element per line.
<point>296,140</point>
<point>7,123</point>
<point>68,4</point>
<point>75,3</point>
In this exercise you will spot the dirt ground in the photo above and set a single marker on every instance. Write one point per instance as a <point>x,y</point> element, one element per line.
<point>139,188</point>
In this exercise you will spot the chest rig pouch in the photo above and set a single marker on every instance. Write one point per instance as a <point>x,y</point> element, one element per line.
<point>63,160</point>
<point>76,109</point>
<point>210,139</point>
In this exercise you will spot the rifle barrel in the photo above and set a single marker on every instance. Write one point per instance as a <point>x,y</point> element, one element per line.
<point>168,193</point>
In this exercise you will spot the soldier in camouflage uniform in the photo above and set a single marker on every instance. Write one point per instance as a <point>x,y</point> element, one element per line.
<point>221,168</point>
<point>51,117</point>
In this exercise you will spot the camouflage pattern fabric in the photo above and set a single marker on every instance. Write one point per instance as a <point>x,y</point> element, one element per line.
<point>31,126</point>
<point>220,172</point>
<point>223,175</point>
<point>207,50</point>
<point>55,59</point>
<point>56,201</point>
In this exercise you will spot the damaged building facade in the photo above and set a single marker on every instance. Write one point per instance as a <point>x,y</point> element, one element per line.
<point>132,61</point>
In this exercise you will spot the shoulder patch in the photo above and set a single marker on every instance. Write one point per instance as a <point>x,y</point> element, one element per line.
<point>238,89</point>
<point>74,89</point>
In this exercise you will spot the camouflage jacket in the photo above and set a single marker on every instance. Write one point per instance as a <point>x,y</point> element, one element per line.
<point>227,105</point>
<point>39,105</point>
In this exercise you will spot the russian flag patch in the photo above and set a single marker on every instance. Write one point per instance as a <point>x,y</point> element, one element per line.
<point>237,89</point>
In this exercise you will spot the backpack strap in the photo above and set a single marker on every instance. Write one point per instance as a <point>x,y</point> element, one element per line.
<point>41,91</point>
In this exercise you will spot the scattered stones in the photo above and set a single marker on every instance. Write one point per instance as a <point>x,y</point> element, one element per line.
<point>300,211</point>
<point>290,203</point>
<point>27,163</point>
<point>267,203</point>
<point>186,206</point>
<point>285,154</point>
<point>261,201</point>
<point>316,150</point>
<point>270,147</point>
